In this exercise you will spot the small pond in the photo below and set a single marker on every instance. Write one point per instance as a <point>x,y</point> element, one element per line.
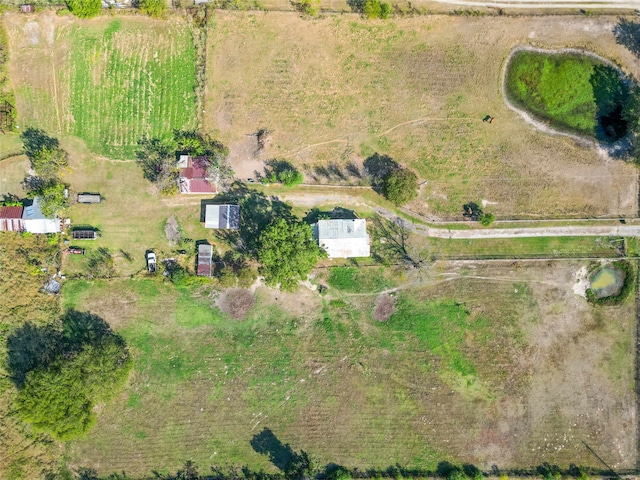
<point>607,281</point>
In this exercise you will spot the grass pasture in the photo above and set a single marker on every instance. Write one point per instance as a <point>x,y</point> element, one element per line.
<point>336,90</point>
<point>108,81</point>
<point>479,364</point>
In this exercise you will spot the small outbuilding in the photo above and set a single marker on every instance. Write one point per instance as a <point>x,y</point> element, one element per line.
<point>34,220</point>
<point>205,254</point>
<point>89,198</point>
<point>85,234</point>
<point>225,217</point>
<point>11,219</point>
<point>343,238</point>
<point>27,8</point>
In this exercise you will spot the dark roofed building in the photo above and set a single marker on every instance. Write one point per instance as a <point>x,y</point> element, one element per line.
<point>205,254</point>
<point>222,216</point>
<point>11,219</point>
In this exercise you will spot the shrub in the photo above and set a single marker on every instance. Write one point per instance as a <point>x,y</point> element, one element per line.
<point>307,7</point>
<point>153,8</point>
<point>487,219</point>
<point>84,8</point>
<point>284,172</point>
<point>376,9</point>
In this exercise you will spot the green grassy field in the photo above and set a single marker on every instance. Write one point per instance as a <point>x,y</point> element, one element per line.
<point>570,91</point>
<point>323,376</point>
<point>561,247</point>
<point>108,82</point>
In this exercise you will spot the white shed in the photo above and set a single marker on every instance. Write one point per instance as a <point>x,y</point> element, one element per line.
<point>343,238</point>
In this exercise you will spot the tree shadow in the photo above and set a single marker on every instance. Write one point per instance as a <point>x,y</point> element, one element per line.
<point>377,167</point>
<point>280,454</point>
<point>28,348</point>
<point>627,34</point>
<point>31,346</point>
<point>611,93</point>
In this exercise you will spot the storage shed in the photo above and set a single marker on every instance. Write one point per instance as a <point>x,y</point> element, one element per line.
<point>205,254</point>
<point>225,217</point>
<point>343,238</point>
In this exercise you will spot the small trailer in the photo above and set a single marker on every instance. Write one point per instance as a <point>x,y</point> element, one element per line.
<point>151,262</point>
<point>89,198</point>
<point>84,234</point>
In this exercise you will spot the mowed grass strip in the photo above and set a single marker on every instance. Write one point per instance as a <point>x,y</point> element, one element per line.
<point>541,247</point>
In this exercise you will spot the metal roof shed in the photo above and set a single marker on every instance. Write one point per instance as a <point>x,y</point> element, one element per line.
<point>222,216</point>
<point>205,254</point>
<point>343,238</point>
<point>34,220</point>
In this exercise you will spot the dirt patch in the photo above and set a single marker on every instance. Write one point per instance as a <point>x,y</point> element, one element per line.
<point>172,231</point>
<point>385,306</point>
<point>236,302</point>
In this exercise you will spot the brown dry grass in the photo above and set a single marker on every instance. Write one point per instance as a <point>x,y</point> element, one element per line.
<point>337,89</point>
<point>236,302</point>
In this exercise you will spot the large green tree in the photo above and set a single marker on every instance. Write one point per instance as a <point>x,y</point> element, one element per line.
<point>400,186</point>
<point>287,252</point>
<point>85,363</point>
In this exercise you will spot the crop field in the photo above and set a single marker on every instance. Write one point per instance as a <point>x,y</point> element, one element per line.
<point>108,82</point>
<point>334,91</point>
<point>455,374</point>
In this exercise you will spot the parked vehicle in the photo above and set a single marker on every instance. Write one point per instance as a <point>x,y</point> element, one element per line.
<point>75,251</point>
<point>151,262</point>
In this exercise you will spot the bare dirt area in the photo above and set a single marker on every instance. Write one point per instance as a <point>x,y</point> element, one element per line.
<point>417,90</point>
<point>236,302</point>
<point>384,308</point>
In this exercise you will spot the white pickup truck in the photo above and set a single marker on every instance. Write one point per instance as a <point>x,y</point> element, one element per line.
<point>151,262</point>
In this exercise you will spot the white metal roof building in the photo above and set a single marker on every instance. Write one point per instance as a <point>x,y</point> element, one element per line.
<point>343,238</point>
<point>35,222</point>
<point>222,216</point>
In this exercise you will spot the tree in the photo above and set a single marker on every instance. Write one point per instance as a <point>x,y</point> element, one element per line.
<point>287,253</point>
<point>100,264</point>
<point>391,242</point>
<point>400,186</point>
<point>84,8</point>
<point>153,8</point>
<point>158,162</point>
<point>50,191</point>
<point>85,363</point>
